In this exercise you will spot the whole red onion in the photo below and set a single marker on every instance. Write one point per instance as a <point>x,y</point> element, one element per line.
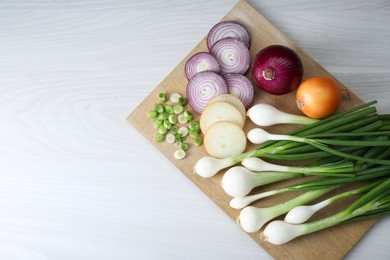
<point>277,70</point>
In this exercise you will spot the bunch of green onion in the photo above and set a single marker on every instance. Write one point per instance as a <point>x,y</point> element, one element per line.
<point>348,147</point>
<point>174,123</point>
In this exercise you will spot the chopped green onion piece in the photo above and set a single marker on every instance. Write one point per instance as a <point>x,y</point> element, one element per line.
<point>184,146</point>
<point>177,109</point>
<point>170,138</point>
<point>182,101</point>
<point>183,131</point>
<point>179,154</point>
<point>178,138</point>
<point>187,113</point>
<point>163,116</point>
<point>157,123</point>
<point>160,137</point>
<point>189,118</point>
<point>174,98</point>
<point>198,141</point>
<point>174,130</point>
<point>162,97</point>
<point>193,134</point>
<point>162,129</point>
<point>194,126</point>
<point>159,108</point>
<point>182,119</point>
<point>172,119</point>
<point>167,124</point>
<point>152,114</point>
<point>169,109</point>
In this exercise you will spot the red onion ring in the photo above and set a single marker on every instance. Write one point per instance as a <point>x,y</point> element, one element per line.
<point>201,61</point>
<point>204,86</point>
<point>232,55</point>
<point>228,29</point>
<point>240,87</point>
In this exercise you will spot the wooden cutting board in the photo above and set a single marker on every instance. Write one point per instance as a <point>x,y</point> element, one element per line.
<point>333,243</point>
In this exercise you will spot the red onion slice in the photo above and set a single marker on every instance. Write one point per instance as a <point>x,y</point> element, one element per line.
<point>228,29</point>
<point>201,61</point>
<point>240,87</point>
<point>232,55</point>
<point>204,86</point>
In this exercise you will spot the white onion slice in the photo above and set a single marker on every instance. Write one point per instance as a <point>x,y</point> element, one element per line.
<point>204,86</point>
<point>232,55</point>
<point>201,61</point>
<point>227,29</point>
<point>240,87</point>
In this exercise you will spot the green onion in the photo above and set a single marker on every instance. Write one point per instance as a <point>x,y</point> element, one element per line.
<point>251,218</point>
<point>159,137</point>
<point>163,116</point>
<point>198,141</point>
<point>172,119</point>
<point>187,114</point>
<point>174,98</point>
<point>194,126</point>
<point>267,115</point>
<point>183,131</point>
<point>167,124</point>
<point>256,164</point>
<point>158,123</point>
<point>374,203</point>
<point>182,101</point>
<point>152,114</point>
<point>159,108</point>
<point>162,97</point>
<point>238,181</point>
<point>169,109</point>
<point>177,109</point>
<point>178,138</point>
<point>162,129</point>
<point>193,134</point>
<point>179,154</point>
<point>174,130</point>
<point>182,119</point>
<point>258,136</point>
<point>170,138</point>
<point>302,213</point>
<point>184,146</point>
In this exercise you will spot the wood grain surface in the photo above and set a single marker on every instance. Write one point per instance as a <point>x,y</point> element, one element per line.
<point>320,245</point>
<point>78,182</point>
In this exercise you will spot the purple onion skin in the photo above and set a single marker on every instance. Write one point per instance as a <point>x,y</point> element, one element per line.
<point>277,70</point>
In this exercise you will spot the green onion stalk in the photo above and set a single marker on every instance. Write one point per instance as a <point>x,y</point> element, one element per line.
<point>251,218</point>
<point>373,204</point>
<point>238,182</point>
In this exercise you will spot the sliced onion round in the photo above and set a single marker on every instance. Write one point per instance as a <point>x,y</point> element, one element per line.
<point>204,86</point>
<point>201,61</point>
<point>232,55</point>
<point>228,29</point>
<point>240,87</point>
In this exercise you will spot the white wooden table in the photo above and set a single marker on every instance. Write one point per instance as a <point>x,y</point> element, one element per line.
<point>78,182</point>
